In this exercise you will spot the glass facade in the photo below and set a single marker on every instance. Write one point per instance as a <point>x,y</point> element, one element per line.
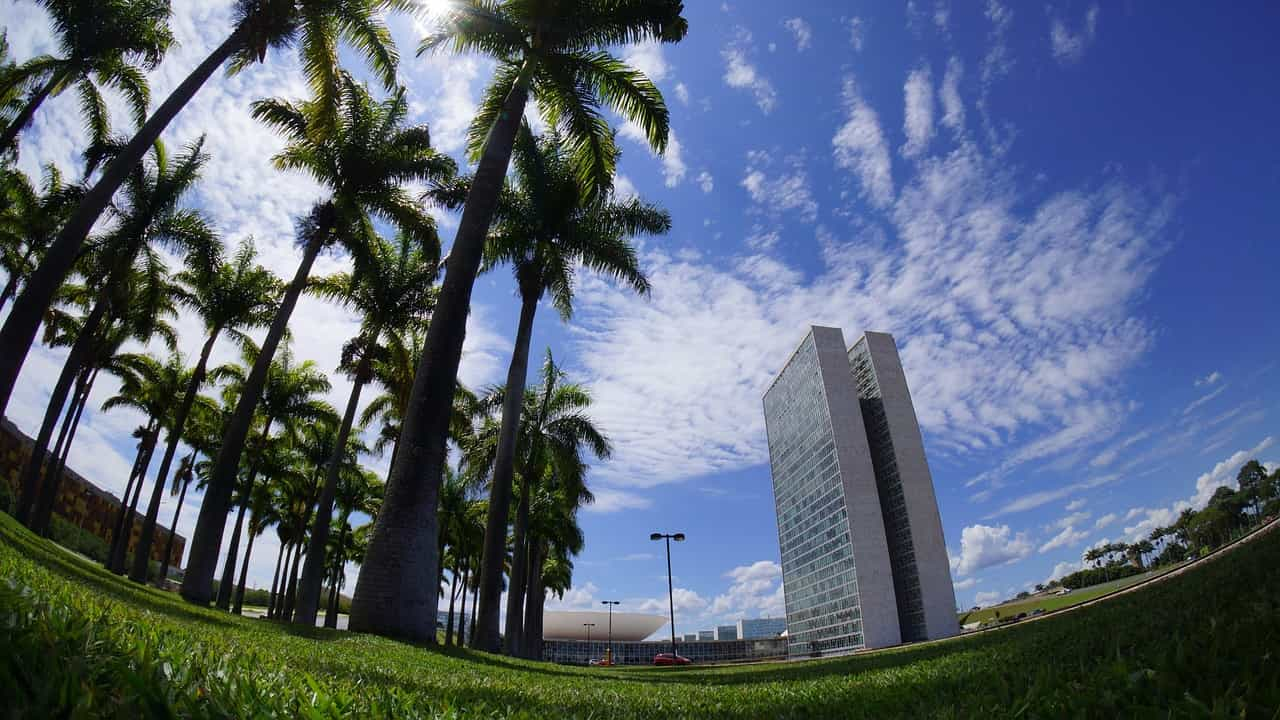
<point>893,504</point>
<point>726,632</point>
<point>578,652</point>
<point>820,586</point>
<point>751,628</point>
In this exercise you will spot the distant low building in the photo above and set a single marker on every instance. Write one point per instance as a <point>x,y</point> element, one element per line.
<point>690,637</point>
<point>704,635</point>
<point>753,628</point>
<point>727,632</point>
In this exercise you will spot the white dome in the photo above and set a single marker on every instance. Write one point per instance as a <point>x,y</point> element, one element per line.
<point>568,625</point>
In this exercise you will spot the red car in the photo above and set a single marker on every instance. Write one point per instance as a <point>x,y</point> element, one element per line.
<point>669,659</point>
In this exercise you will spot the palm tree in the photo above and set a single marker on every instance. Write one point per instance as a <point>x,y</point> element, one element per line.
<point>545,229</point>
<point>148,385</point>
<point>29,220</point>
<point>317,27</point>
<point>554,51</point>
<point>393,369</point>
<point>554,431</point>
<point>555,538</point>
<point>363,158</point>
<point>390,288</point>
<point>137,310</point>
<point>109,43</point>
<point>148,216</point>
<point>232,296</point>
<point>358,491</point>
<point>288,396</point>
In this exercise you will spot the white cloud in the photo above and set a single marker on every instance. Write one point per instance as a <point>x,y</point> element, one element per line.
<point>1209,379</point>
<point>1068,537</point>
<point>1075,504</point>
<point>1014,320</point>
<point>983,546</point>
<point>1208,397</point>
<point>1062,569</point>
<point>1105,520</point>
<point>801,30</point>
<point>682,93</point>
<point>1152,519</point>
<point>648,58</point>
<point>739,73</point>
<point>857,33</point>
<point>918,113</point>
<point>1044,497</point>
<point>986,598</point>
<point>673,165</point>
<point>965,584</point>
<point>756,590</point>
<point>860,147</point>
<point>578,597</point>
<point>1069,46</point>
<point>949,95</point>
<point>1224,473</point>
<point>609,499</point>
<point>780,193</point>
<point>705,182</point>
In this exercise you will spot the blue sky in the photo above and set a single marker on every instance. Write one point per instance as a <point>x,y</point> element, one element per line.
<point>1064,213</point>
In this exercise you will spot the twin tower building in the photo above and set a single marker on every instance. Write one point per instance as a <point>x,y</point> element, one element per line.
<point>864,563</point>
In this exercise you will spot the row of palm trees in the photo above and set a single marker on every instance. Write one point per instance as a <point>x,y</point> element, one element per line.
<point>555,214</point>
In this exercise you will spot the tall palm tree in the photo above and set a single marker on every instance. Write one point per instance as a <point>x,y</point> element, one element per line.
<point>230,297</point>
<point>109,43</point>
<point>29,219</point>
<point>288,396</point>
<point>390,288</point>
<point>545,229</point>
<point>555,538</point>
<point>148,216</point>
<point>317,27</point>
<point>554,430</point>
<point>557,53</point>
<point>393,370</point>
<point>363,157</point>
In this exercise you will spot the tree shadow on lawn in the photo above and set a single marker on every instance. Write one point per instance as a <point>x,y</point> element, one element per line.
<point>74,568</point>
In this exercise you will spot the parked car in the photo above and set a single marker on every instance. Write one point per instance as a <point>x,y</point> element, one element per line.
<point>669,659</point>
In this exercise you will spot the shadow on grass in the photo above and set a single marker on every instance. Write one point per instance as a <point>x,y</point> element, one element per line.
<point>73,567</point>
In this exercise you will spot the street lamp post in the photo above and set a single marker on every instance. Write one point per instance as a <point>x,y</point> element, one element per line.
<point>671,601</point>
<point>610,603</point>
<point>588,626</point>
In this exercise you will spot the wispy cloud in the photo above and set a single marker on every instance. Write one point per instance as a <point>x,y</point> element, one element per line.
<point>1069,45</point>
<point>740,73</point>
<point>860,147</point>
<point>1207,397</point>
<point>801,31</point>
<point>918,112</point>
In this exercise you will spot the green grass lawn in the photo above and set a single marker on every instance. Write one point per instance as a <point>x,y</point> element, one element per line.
<point>78,642</point>
<point>1051,602</point>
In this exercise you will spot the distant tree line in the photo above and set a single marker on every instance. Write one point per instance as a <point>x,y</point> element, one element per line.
<point>1229,514</point>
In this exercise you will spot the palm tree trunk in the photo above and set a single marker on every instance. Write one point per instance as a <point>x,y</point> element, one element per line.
<point>226,585</point>
<point>453,598</point>
<point>290,594</point>
<point>140,563</point>
<point>124,499</point>
<point>173,530</point>
<point>51,467</point>
<point>519,576</point>
<point>45,503</point>
<point>24,319</point>
<point>395,594</point>
<point>10,287</point>
<point>29,110</point>
<point>244,573</point>
<point>313,571</point>
<point>30,483</point>
<point>532,644</point>
<point>331,613</point>
<point>277,588</point>
<point>500,490</point>
<point>462,616</point>
<point>118,557</point>
<point>197,585</point>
